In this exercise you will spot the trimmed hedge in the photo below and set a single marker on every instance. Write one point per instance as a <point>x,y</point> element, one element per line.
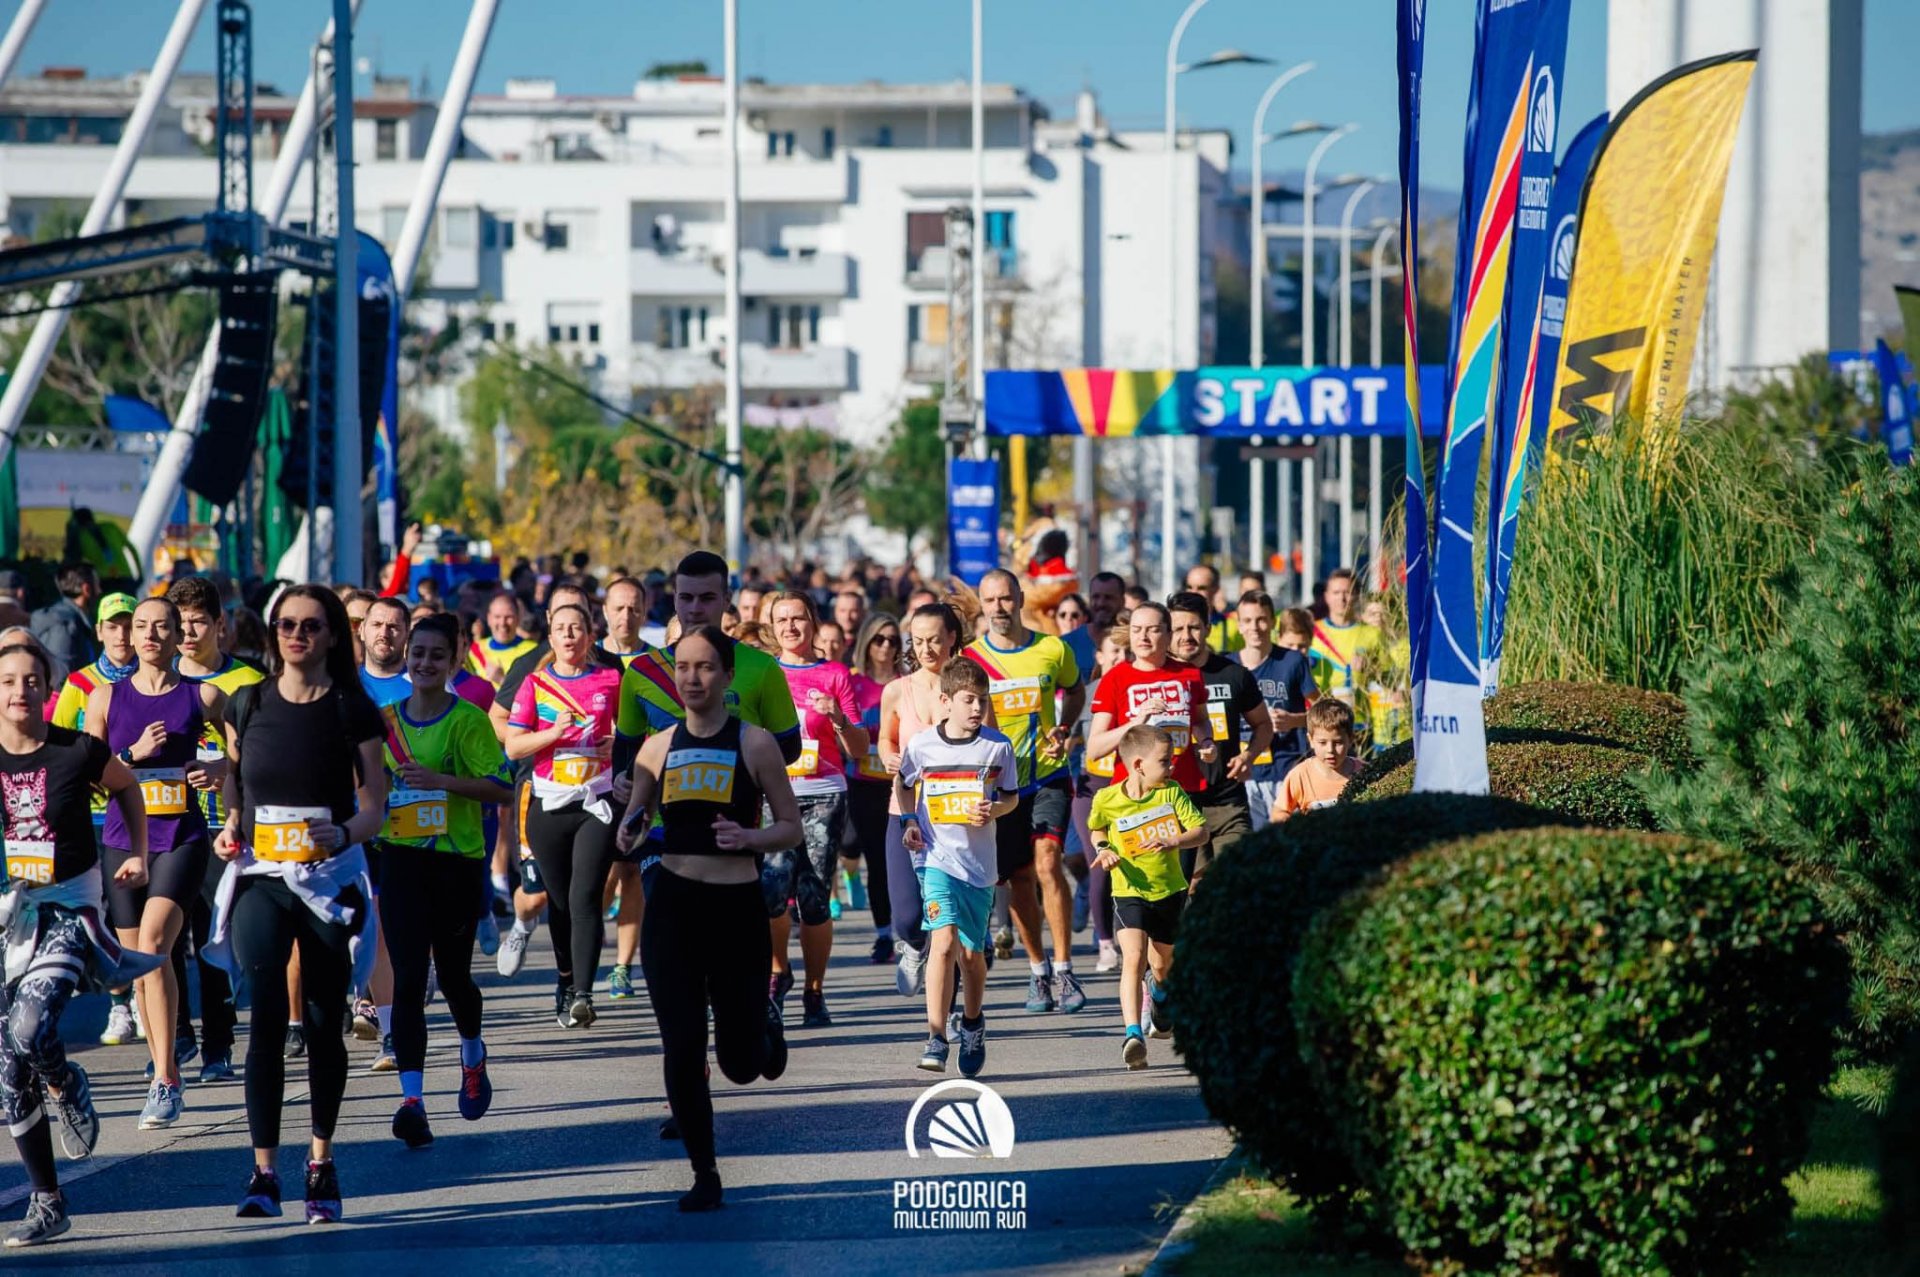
<point>1574,1051</point>
<point>1239,942</point>
<point>1581,783</point>
<point>1652,723</point>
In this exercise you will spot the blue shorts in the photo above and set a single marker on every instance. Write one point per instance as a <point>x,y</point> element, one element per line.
<point>947,901</point>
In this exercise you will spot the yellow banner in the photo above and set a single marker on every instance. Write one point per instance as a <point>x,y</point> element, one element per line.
<point>1647,225</point>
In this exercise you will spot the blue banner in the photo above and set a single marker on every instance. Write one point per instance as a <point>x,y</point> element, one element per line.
<point>1520,327</point>
<point>1411,23</point>
<point>1224,402</point>
<point>1896,406</point>
<point>376,277</point>
<point>973,518</point>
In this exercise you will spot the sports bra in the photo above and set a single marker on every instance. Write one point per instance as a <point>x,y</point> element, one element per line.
<point>705,777</point>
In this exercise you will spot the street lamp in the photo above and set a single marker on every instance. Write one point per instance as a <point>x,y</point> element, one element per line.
<point>1361,189</point>
<point>1169,491</point>
<point>1310,478</point>
<point>1387,227</point>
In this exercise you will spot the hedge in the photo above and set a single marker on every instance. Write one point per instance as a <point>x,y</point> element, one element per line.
<point>1580,782</point>
<point>1239,942</point>
<point>1574,1051</point>
<point>1652,723</point>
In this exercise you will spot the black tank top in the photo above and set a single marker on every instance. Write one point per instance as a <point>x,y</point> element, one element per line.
<point>705,777</point>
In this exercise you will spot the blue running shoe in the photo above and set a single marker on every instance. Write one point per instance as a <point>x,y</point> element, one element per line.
<point>934,1058</point>
<point>1040,992</point>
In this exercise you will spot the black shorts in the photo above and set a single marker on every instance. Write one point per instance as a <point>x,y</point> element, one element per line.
<point>1045,813</point>
<point>1160,919</point>
<point>176,875</point>
<point>375,854</point>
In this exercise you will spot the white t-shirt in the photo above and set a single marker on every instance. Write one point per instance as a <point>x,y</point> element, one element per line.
<point>949,775</point>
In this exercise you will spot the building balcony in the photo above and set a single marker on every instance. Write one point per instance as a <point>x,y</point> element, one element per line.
<point>1001,269</point>
<point>816,368</point>
<point>699,272</point>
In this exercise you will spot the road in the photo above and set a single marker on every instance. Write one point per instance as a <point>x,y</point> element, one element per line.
<point>567,1171</point>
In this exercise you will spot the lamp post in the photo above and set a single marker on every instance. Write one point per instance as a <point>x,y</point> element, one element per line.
<point>1169,488</point>
<point>1310,478</point>
<point>1360,192</point>
<point>734,488</point>
<point>1373,357</point>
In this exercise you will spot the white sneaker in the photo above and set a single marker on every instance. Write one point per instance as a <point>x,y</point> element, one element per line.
<point>910,971</point>
<point>139,1028</point>
<point>488,934</point>
<point>1109,956</point>
<point>513,951</point>
<point>120,1028</point>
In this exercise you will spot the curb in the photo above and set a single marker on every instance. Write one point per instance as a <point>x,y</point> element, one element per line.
<point>1175,1245</point>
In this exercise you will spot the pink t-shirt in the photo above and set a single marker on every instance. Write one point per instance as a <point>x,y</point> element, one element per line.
<point>820,769</point>
<point>589,702</point>
<point>866,694</point>
<point>469,686</point>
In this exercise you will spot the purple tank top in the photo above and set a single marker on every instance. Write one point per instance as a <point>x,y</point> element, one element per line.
<point>174,815</point>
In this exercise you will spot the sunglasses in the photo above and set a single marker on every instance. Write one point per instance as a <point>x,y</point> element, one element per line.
<point>891,640</point>
<point>305,629</point>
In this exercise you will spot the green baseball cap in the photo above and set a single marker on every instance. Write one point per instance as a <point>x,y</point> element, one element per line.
<point>116,605</point>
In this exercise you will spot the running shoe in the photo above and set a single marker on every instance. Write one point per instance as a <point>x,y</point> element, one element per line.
<point>882,950</point>
<point>973,1045</point>
<point>856,890</point>
<point>1003,943</point>
<point>1109,957</point>
<point>1072,996</point>
<point>670,1129</point>
<point>834,908</point>
<point>705,1193</point>
<point>120,1028</point>
<point>620,983</point>
<point>73,1112</point>
<point>163,1106</point>
<point>1133,1052</point>
<point>139,1025</point>
<point>488,933</point>
<point>410,1126</point>
<point>262,1200</point>
<point>776,1046</point>
<point>580,1012</point>
<point>296,1042</point>
<point>476,1090</point>
<point>562,1004</point>
<point>1082,912</point>
<point>779,987</point>
<point>383,1061</point>
<point>513,951</point>
<point>323,1193</point>
<point>1162,1014</point>
<point>1040,992</point>
<point>218,1068</point>
<point>910,972</point>
<point>813,1010</point>
<point>612,911</point>
<point>934,1058</point>
<point>366,1021</point>
<point>46,1219</point>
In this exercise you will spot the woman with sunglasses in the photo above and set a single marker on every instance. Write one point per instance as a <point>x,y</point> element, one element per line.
<point>305,790</point>
<point>563,719</point>
<point>876,663</point>
<point>152,721</point>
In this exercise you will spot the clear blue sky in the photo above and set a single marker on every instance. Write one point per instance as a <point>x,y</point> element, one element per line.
<point>1048,47</point>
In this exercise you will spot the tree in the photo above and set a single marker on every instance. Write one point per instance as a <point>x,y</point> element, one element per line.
<point>907,489</point>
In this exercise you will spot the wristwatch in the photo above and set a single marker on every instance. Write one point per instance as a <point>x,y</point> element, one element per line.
<point>125,755</point>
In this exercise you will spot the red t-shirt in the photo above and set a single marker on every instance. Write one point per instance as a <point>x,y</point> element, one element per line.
<point>1125,687</point>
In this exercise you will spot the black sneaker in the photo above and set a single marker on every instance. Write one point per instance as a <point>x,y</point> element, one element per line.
<point>47,1219</point>
<point>882,951</point>
<point>813,1004</point>
<point>263,1196</point>
<point>218,1068</point>
<point>563,1004</point>
<point>670,1129</point>
<point>73,1113</point>
<point>580,1012</point>
<point>776,1046</point>
<point>296,1042</point>
<point>323,1193</point>
<point>705,1194</point>
<point>410,1124</point>
<point>781,985</point>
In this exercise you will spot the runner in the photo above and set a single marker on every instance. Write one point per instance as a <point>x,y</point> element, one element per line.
<point>1345,652</point>
<point>444,763</point>
<point>626,614</point>
<point>153,720</point>
<point>504,643</point>
<point>383,639</point>
<point>383,672</point>
<point>1091,775</point>
<point>305,792</point>
<point>1223,634</point>
<point>707,945</point>
<point>563,720</point>
<point>1285,679</point>
<point>54,931</point>
<point>1242,727</point>
<point>803,875</point>
<point>877,656</point>
<point>1025,670</point>
<point>1388,681</point>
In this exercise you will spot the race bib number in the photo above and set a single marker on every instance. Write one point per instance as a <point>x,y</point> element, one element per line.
<point>1015,697</point>
<point>950,799</point>
<point>1101,766</point>
<point>417,813</point>
<point>871,768</point>
<point>1156,826</point>
<point>1217,714</point>
<point>699,776</point>
<point>809,761</point>
<point>163,790</point>
<point>575,766</point>
<point>30,860</point>
<point>281,833</point>
<point>1179,730</point>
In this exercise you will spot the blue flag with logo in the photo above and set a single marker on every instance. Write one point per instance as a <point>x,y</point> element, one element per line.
<point>1412,27</point>
<point>1896,406</point>
<point>973,518</point>
<point>376,278</point>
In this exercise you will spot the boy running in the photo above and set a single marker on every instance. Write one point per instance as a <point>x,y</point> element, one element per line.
<point>1319,779</point>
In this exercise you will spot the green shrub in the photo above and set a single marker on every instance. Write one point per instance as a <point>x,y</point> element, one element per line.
<point>1574,1051</point>
<point>1238,945</point>
<point>1581,783</point>
<point>1650,723</point>
<point>1809,743</point>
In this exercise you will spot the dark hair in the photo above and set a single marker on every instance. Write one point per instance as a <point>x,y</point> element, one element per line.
<point>1259,598</point>
<point>1340,574</point>
<point>1138,594</point>
<point>701,563</point>
<point>1114,577</point>
<point>796,596</point>
<point>342,672</point>
<point>76,579</point>
<point>354,594</point>
<point>509,596</point>
<point>554,612</point>
<point>173,611</point>
<point>962,676</point>
<point>714,637</point>
<point>39,656</point>
<point>1328,714</point>
<point>943,613</point>
<point>1166,616</point>
<point>1053,544</point>
<point>249,631</point>
<point>195,592</point>
<point>443,624</point>
<point>1207,568</point>
<point>1002,574</point>
<point>1076,600</point>
<point>1192,602</point>
<point>1137,739</point>
<point>387,601</point>
<point>619,581</point>
<point>1296,620</point>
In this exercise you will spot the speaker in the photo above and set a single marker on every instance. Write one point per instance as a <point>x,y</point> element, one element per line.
<point>223,450</point>
<point>309,417</point>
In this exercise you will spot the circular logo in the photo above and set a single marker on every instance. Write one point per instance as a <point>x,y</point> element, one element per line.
<point>1540,125</point>
<point>933,910</point>
<point>1562,264</point>
<point>978,1125</point>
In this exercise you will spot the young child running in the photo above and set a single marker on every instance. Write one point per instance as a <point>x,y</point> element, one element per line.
<point>1139,825</point>
<point>1318,778</point>
<point>966,779</point>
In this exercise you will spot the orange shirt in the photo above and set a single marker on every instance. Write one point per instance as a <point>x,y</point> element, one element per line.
<point>1311,784</point>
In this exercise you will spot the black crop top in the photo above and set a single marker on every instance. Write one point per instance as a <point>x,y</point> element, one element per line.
<point>705,777</point>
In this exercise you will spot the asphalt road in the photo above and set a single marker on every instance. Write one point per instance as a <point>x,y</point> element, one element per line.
<point>567,1172</point>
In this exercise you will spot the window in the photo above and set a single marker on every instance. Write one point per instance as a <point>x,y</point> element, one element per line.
<point>486,329</point>
<point>557,236</point>
<point>780,144</point>
<point>885,136</point>
<point>593,334</point>
<point>457,228</point>
<point>793,327</point>
<point>506,234</point>
<point>386,139</point>
<point>553,334</point>
<point>391,220</point>
<point>924,231</point>
<point>512,330</point>
<point>826,143</point>
<point>813,325</point>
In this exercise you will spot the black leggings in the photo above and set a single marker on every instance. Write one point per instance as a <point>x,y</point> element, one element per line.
<point>574,850</point>
<point>867,803</point>
<point>217,1015</point>
<point>705,945</point>
<point>267,921</point>
<point>426,912</point>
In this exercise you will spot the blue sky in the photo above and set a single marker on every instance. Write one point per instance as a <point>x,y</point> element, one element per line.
<point>1048,47</point>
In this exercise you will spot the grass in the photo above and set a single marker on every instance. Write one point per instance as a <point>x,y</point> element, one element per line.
<point>1251,1225</point>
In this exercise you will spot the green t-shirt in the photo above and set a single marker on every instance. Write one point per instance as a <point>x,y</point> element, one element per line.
<point>1023,683</point>
<point>460,742</point>
<point>1166,812</point>
<point>758,694</point>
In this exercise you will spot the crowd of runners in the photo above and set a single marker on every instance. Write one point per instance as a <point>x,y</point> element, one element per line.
<point>329,832</point>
